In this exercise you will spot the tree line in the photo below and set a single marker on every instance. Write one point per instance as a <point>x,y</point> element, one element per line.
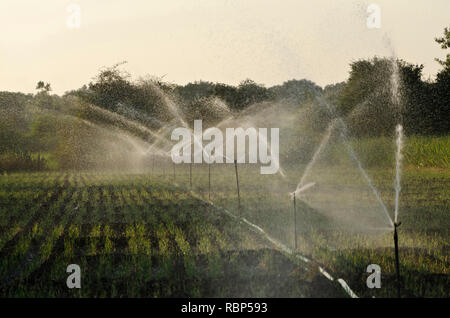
<point>28,126</point>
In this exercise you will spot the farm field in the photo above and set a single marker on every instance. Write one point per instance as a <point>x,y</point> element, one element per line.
<point>345,251</point>
<point>134,237</point>
<point>148,235</point>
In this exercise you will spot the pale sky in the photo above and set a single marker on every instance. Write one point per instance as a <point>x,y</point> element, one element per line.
<point>225,41</point>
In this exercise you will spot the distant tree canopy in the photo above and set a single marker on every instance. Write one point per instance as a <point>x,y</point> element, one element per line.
<point>440,90</point>
<point>45,123</point>
<point>445,45</point>
<point>14,122</point>
<point>366,98</point>
<point>296,91</point>
<point>43,87</point>
<point>110,88</point>
<point>113,90</point>
<point>237,98</point>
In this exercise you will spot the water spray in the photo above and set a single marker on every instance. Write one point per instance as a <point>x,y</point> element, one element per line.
<point>237,185</point>
<point>302,188</point>
<point>398,167</point>
<point>397,261</point>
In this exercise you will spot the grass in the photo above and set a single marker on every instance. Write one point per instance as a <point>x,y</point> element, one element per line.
<point>134,236</point>
<point>428,151</point>
<point>419,151</point>
<point>141,235</point>
<point>346,249</point>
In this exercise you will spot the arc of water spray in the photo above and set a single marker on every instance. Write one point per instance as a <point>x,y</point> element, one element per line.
<point>170,104</point>
<point>176,112</point>
<point>122,119</point>
<point>301,187</point>
<point>203,150</point>
<point>262,138</point>
<point>352,153</point>
<point>126,121</point>
<point>304,188</point>
<point>281,246</point>
<point>268,147</point>
<point>369,181</point>
<point>116,132</point>
<point>398,167</point>
<point>160,139</point>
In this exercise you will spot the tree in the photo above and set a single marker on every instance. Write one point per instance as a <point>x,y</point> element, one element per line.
<point>196,90</point>
<point>44,132</point>
<point>296,91</point>
<point>110,88</point>
<point>250,93</point>
<point>226,93</point>
<point>367,99</point>
<point>43,87</point>
<point>13,122</point>
<point>445,45</point>
<point>439,102</point>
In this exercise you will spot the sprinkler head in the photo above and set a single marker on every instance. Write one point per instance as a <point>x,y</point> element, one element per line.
<point>397,224</point>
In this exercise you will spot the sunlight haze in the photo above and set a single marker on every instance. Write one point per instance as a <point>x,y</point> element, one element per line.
<point>219,41</point>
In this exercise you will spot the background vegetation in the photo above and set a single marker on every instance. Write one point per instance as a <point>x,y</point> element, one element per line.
<point>34,135</point>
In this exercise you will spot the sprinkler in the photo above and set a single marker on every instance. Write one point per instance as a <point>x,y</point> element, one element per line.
<point>299,190</point>
<point>190,175</point>
<point>153,164</point>
<point>164,170</point>
<point>174,175</point>
<point>237,184</point>
<point>397,262</point>
<point>295,223</point>
<point>209,182</point>
<point>398,167</point>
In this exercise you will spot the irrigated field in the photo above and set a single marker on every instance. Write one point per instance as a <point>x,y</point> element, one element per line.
<point>133,237</point>
<point>147,235</point>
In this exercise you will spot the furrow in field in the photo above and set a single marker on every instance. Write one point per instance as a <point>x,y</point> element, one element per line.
<point>30,214</point>
<point>42,241</point>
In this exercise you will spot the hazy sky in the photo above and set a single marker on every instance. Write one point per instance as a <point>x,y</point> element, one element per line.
<point>216,40</point>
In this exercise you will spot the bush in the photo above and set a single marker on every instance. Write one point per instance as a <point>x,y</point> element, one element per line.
<point>15,162</point>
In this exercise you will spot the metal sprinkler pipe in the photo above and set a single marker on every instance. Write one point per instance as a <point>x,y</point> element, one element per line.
<point>397,262</point>
<point>153,164</point>
<point>295,223</point>
<point>209,182</point>
<point>190,175</point>
<point>174,174</point>
<point>164,170</point>
<point>237,184</point>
